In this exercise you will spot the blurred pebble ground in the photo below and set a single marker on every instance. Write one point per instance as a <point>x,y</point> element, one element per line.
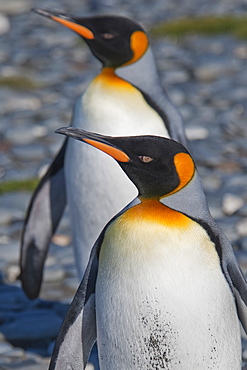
<point>206,78</point>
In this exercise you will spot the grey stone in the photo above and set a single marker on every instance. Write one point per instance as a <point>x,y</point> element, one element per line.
<point>20,135</point>
<point>196,133</point>
<point>5,217</point>
<point>28,152</point>
<point>209,72</point>
<point>39,131</point>
<point>211,183</point>
<point>10,253</point>
<point>4,239</point>
<point>175,77</point>
<point>61,240</point>
<point>177,97</point>
<point>4,348</point>
<point>4,24</point>
<point>15,213</point>
<point>53,274</point>
<point>15,7</point>
<point>19,102</point>
<point>241,52</point>
<point>90,367</point>
<point>12,272</point>
<point>241,227</point>
<point>15,353</point>
<point>231,203</point>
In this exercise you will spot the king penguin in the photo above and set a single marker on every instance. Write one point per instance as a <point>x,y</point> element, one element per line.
<point>162,289</point>
<point>125,101</point>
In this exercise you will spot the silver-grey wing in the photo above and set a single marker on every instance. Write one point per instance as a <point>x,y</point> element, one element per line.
<point>234,276</point>
<point>230,268</point>
<point>44,213</point>
<point>78,331</point>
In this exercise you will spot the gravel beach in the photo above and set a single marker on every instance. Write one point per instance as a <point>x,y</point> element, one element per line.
<point>43,68</point>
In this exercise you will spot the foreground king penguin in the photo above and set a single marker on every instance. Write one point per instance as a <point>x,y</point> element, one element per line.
<point>162,289</point>
<point>127,104</point>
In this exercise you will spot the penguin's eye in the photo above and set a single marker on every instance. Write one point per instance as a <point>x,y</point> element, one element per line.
<point>145,159</point>
<point>108,36</point>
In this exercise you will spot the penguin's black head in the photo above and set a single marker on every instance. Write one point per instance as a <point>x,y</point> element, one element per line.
<point>116,41</point>
<point>156,165</point>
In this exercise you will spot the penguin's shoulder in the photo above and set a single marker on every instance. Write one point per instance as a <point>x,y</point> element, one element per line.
<point>150,223</point>
<point>154,212</point>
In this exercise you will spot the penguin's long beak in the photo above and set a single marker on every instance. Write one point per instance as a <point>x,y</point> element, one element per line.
<point>98,141</point>
<point>67,21</point>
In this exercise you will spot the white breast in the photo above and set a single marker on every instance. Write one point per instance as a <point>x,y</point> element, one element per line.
<point>116,111</point>
<point>97,188</point>
<point>165,304</point>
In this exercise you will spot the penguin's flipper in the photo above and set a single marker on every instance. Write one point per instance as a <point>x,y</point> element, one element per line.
<point>233,273</point>
<point>78,331</point>
<point>240,292</point>
<point>239,286</point>
<point>44,213</point>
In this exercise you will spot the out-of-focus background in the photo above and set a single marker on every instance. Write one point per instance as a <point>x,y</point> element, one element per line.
<point>44,67</point>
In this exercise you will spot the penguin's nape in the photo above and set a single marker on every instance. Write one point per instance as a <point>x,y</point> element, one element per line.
<point>156,165</point>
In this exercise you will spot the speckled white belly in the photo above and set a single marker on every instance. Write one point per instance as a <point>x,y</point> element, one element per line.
<point>164,304</point>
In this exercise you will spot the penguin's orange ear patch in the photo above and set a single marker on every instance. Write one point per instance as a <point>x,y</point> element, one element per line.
<point>138,45</point>
<point>185,168</point>
<point>83,31</point>
<point>115,153</point>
